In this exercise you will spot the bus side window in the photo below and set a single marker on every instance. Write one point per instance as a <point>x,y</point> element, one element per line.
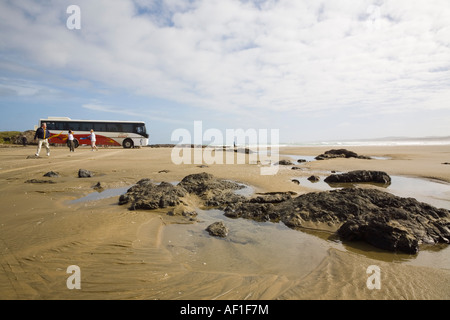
<point>97,127</point>
<point>127,127</point>
<point>75,126</point>
<point>112,127</point>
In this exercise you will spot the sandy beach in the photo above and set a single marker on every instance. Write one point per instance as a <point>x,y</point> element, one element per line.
<point>140,254</point>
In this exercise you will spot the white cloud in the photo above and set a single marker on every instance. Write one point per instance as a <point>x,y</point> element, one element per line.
<point>124,111</point>
<point>245,57</point>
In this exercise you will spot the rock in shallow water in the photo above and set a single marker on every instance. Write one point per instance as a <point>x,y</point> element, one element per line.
<point>376,217</point>
<point>360,176</point>
<point>355,214</point>
<point>217,229</point>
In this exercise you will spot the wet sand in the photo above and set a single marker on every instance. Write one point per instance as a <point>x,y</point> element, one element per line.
<point>126,254</point>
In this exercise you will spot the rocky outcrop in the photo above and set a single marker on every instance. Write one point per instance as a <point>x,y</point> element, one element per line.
<point>147,195</point>
<point>339,153</point>
<point>354,214</point>
<point>360,176</point>
<point>396,224</point>
<point>214,192</point>
<point>376,217</point>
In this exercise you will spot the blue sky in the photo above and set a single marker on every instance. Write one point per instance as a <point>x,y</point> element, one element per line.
<point>314,70</point>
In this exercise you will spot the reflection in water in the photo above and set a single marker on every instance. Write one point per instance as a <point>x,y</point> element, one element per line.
<point>104,194</point>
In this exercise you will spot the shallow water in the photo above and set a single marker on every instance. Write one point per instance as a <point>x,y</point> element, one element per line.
<point>101,194</point>
<point>248,248</point>
<point>294,252</point>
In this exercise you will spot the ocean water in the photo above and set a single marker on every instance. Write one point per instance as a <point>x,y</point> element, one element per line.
<point>432,141</point>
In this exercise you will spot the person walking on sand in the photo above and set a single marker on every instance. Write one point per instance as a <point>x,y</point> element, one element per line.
<point>93,140</point>
<point>71,141</point>
<point>42,134</point>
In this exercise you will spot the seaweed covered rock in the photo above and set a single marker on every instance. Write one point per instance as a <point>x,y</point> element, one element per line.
<point>384,220</point>
<point>339,153</point>
<point>360,176</point>
<point>379,218</point>
<point>217,229</point>
<point>215,192</point>
<point>147,195</point>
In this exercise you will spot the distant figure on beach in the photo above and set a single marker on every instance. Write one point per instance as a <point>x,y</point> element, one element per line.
<point>42,134</point>
<point>70,141</point>
<point>93,140</point>
<point>24,141</point>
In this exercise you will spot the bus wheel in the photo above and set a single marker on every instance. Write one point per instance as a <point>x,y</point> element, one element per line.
<point>128,143</point>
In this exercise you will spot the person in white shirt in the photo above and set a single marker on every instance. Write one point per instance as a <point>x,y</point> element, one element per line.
<point>93,140</point>
<point>71,142</point>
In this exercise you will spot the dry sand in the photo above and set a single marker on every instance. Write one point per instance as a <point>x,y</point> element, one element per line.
<point>126,254</point>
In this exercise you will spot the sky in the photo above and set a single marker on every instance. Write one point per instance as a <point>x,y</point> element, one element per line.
<point>314,70</point>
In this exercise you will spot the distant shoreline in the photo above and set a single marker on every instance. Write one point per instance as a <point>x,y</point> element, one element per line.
<point>13,138</point>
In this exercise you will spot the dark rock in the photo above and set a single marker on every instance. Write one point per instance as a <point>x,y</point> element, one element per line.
<point>272,197</point>
<point>355,214</point>
<point>82,173</point>
<point>285,163</point>
<point>380,235</point>
<point>98,186</point>
<point>40,181</point>
<point>360,176</point>
<point>296,168</point>
<point>301,160</point>
<point>217,229</point>
<point>329,156</point>
<point>339,153</point>
<point>200,183</point>
<point>379,218</point>
<point>164,171</point>
<point>148,196</point>
<point>314,178</point>
<point>51,174</point>
<point>296,181</point>
<point>215,192</point>
<point>255,211</point>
